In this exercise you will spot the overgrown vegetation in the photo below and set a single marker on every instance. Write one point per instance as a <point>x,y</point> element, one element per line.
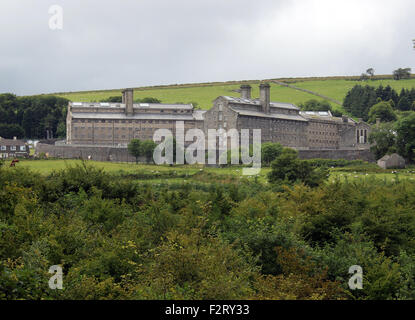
<point>393,137</point>
<point>119,238</point>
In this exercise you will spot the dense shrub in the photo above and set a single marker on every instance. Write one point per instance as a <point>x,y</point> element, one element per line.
<point>119,238</point>
<point>287,168</point>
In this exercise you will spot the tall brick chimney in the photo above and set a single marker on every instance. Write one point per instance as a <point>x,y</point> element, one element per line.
<point>127,98</point>
<point>264,96</point>
<point>245,91</point>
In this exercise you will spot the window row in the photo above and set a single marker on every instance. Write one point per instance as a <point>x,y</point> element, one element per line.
<point>13,148</point>
<point>323,141</point>
<point>127,121</point>
<point>323,133</point>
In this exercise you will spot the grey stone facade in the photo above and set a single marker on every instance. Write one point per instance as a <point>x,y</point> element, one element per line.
<point>285,123</point>
<point>115,124</point>
<point>85,152</point>
<point>392,161</point>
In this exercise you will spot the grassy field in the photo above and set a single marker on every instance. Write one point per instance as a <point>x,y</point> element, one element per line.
<point>204,94</point>
<point>337,89</point>
<point>183,173</point>
<point>384,176</point>
<point>180,172</point>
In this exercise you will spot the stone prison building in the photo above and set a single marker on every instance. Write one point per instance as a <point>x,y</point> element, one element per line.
<point>102,130</point>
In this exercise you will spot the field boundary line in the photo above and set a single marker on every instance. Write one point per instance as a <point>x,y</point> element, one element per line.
<point>307,91</point>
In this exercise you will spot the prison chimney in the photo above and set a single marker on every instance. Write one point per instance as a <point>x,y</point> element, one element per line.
<point>245,91</point>
<point>127,99</point>
<point>264,96</point>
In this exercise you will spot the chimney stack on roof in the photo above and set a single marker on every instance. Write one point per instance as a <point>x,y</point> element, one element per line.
<point>246,91</point>
<point>264,96</point>
<point>128,100</point>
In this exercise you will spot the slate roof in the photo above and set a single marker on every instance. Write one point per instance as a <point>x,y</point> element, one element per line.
<point>11,142</point>
<point>269,115</point>
<point>324,115</point>
<point>390,156</point>
<point>316,113</point>
<point>136,105</point>
<point>385,158</point>
<point>257,102</point>
<point>135,116</point>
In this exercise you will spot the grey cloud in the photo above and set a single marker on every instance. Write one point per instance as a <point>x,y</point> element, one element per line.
<point>113,44</point>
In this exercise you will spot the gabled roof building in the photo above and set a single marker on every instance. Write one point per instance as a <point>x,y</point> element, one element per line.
<point>285,123</point>
<point>115,124</point>
<point>392,161</point>
<point>11,148</point>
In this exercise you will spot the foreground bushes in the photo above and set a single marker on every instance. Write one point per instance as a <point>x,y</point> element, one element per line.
<point>122,239</point>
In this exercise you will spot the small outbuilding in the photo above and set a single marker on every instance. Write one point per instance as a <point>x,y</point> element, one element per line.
<point>392,161</point>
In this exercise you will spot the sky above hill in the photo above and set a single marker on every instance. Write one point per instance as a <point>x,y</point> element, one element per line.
<point>106,44</point>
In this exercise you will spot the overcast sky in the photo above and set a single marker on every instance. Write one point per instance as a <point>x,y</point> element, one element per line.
<point>106,44</point>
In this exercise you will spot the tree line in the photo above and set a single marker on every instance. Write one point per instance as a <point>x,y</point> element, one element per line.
<point>396,130</point>
<point>398,74</point>
<point>34,117</point>
<point>360,99</point>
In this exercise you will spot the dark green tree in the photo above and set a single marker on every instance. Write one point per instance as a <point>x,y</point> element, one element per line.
<point>359,100</point>
<point>270,151</point>
<point>387,93</point>
<point>113,99</point>
<point>404,103</point>
<point>315,105</point>
<point>134,148</point>
<point>405,130</point>
<point>147,149</point>
<point>382,110</point>
<point>8,131</point>
<point>384,139</point>
<point>61,130</point>
<point>336,113</point>
<point>402,73</point>
<point>287,168</point>
<point>371,72</point>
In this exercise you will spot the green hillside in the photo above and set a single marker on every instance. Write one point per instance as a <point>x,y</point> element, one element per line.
<point>337,89</point>
<point>204,94</point>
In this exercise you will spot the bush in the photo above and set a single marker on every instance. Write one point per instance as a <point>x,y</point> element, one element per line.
<point>287,168</point>
<point>215,238</point>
